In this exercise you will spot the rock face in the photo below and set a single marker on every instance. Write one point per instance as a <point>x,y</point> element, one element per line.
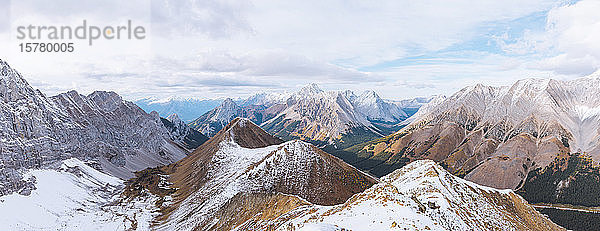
<point>182,134</point>
<point>495,135</point>
<point>101,129</point>
<point>242,163</point>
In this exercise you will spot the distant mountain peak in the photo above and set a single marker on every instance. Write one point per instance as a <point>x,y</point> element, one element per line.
<point>310,89</point>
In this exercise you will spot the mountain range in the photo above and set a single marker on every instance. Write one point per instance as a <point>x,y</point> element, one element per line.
<point>470,161</point>
<point>333,118</point>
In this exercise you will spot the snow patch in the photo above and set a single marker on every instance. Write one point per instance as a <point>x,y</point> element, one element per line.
<point>585,112</point>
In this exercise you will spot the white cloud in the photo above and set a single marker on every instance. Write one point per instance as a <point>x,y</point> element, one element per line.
<point>226,48</point>
<point>568,45</point>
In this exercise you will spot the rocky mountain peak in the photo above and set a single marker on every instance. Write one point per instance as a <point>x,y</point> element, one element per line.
<point>241,160</point>
<point>247,134</point>
<point>350,95</point>
<point>13,86</point>
<point>107,100</point>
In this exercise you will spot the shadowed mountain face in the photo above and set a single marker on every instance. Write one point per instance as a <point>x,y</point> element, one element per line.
<point>182,134</point>
<point>101,129</point>
<point>496,135</point>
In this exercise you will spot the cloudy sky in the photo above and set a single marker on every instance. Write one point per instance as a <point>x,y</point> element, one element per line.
<point>220,48</point>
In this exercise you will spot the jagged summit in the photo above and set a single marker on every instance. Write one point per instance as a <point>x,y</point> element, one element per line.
<point>113,135</point>
<point>181,133</point>
<point>370,94</point>
<point>335,119</point>
<point>228,103</point>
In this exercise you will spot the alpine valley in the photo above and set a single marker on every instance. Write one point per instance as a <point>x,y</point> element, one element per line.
<point>303,160</point>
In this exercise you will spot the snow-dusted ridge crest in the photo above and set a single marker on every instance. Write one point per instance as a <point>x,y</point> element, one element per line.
<point>423,196</point>
<point>269,188</point>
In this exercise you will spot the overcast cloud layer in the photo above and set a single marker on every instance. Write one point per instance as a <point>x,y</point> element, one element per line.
<point>215,49</point>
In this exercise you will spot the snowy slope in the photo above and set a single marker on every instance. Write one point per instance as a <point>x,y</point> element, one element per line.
<point>73,197</point>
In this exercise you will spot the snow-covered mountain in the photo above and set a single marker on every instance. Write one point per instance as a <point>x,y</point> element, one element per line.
<point>377,109</point>
<point>496,135</point>
<point>101,129</point>
<point>187,109</point>
<point>315,115</point>
<point>243,159</point>
<point>245,179</point>
<point>266,99</point>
